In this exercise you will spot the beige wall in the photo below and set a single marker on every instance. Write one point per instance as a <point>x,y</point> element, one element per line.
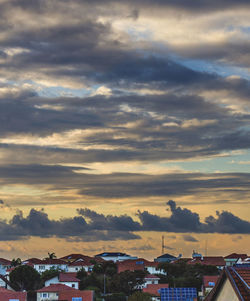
<point>52,296</point>
<point>227,293</point>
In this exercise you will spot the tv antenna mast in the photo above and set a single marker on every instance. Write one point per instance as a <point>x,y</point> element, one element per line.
<point>162,245</point>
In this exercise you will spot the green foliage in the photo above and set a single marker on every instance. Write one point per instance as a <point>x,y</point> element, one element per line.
<point>126,282</point>
<point>108,268</point>
<point>25,277</point>
<point>81,274</point>
<point>48,274</point>
<point>182,274</point>
<point>16,262</point>
<point>139,296</point>
<point>116,297</point>
<point>51,255</point>
<point>91,280</point>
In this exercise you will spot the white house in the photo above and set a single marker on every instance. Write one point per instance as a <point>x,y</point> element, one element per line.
<point>51,293</point>
<point>4,265</point>
<point>115,256</point>
<point>48,264</point>
<point>68,279</point>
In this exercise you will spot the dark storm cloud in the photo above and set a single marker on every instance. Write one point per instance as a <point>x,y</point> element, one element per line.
<point>124,185</point>
<point>92,226</point>
<point>37,223</point>
<point>184,220</point>
<point>86,50</point>
<point>228,51</point>
<point>167,126</point>
<point>205,5</point>
<point>109,222</point>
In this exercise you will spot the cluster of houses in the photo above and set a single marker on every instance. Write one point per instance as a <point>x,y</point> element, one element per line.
<point>232,284</point>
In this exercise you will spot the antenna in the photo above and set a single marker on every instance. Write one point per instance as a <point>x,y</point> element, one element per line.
<point>162,245</point>
<point>206,247</point>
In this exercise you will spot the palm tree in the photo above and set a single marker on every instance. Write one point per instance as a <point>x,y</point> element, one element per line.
<point>51,255</point>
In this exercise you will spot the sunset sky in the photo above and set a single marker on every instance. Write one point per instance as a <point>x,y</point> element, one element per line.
<point>122,121</point>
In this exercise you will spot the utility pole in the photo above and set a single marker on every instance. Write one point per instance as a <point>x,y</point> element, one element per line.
<point>162,245</point>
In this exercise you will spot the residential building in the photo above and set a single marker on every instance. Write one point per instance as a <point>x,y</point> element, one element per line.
<point>233,258</point>
<point>217,261</point>
<point>233,285</point>
<point>4,283</point>
<point>51,293</point>
<point>4,265</point>
<point>8,295</point>
<point>114,256</point>
<point>76,295</point>
<point>139,264</point>
<point>154,290</point>
<point>48,264</point>
<point>148,279</point>
<point>166,258</point>
<point>208,283</point>
<point>68,279</point>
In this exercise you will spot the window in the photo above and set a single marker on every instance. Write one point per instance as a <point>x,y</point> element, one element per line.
<point>73,285</point>
<point>44,295</point>
<point>76,269</point>
<point>76,298</point>
<point>13,299</point>
<point>41,267</point>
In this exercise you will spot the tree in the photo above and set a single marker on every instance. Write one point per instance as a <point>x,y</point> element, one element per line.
<point>16,262</point>
<point>139,296</point>
<point>187,275</point>
<point>24,277</point>
<point>126,282</point>
<point>48,274</point>
<point>81,274</point>
<point>108,268</point>
<point>51,255</point>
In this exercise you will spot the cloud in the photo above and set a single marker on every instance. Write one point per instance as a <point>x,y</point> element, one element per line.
<point>92,226</point>
<point>184,220</point>
<point>189,238</point>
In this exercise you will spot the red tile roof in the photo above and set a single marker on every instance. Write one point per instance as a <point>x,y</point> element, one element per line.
<point>149,276</point>
<point>239,279</point>
<point>209,260</point>
<point>86,259</point>
<point>55,288</point>
<point>152,289</point>
<point>68,295</point>
<point>5,295</point>
<point>81,263</point>
<point>135,264</point>
<point>236,256</point>
<point>5,261</point>
<point>68,277</point>
<point>207,279</point>
<point>52,261</point>
<point>33,260</point>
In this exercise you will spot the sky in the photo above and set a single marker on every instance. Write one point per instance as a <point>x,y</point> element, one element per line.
<point>122,122</point>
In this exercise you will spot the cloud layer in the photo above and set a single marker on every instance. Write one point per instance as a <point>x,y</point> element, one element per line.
<point>89,225</point>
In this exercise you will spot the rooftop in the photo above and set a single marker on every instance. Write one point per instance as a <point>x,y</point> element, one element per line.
<point>153,289</point>
<point>239,279</point>
<point>55,288</point>
<point>111,254</point>
<point>68,277</point>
